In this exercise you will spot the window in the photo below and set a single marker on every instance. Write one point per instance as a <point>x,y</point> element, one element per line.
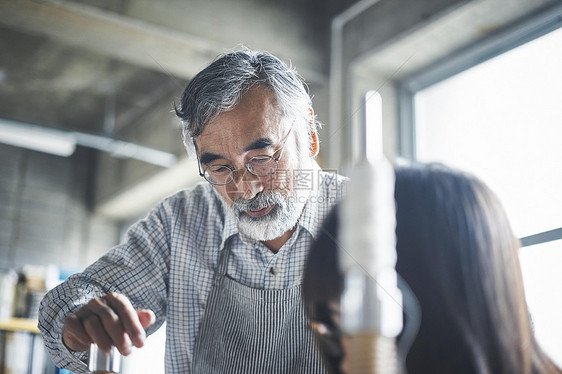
<point>501,119</point>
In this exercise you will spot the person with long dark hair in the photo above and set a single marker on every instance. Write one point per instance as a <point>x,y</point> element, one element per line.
<point>458,255</point>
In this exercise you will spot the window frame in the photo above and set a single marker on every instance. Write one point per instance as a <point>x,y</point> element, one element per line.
<point>528,29</point>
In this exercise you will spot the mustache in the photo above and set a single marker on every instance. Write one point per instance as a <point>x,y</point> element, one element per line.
<point>260,201</point>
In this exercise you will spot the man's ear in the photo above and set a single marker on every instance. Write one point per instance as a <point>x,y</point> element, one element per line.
<point>315,143</point>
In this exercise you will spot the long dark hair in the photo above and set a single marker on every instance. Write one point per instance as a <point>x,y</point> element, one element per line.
<point>457,252</point>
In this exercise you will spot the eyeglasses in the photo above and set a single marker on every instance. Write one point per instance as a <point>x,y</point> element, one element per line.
<point>260,166</point>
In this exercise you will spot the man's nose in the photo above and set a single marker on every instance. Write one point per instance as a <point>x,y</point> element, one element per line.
<point>244,185</point>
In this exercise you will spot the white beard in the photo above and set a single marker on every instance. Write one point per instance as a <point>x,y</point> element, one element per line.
<point>284,216</point>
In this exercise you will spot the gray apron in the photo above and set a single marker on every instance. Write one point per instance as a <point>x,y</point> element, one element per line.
<point>247,330</point>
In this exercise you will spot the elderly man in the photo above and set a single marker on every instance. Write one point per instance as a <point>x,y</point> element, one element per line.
<point>221,263</point>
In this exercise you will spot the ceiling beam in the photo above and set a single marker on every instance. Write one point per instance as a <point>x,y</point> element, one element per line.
<point>110,34</point>
<point>179,54</point>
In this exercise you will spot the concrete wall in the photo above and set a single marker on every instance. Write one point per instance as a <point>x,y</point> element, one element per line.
<point>44,211</point>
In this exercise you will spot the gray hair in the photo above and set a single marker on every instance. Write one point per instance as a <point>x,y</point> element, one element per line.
<point>218,88</point>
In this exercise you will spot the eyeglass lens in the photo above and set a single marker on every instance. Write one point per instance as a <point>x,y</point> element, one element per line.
<point>260,166</point>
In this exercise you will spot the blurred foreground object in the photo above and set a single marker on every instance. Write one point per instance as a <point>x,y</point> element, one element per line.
<point>371,304</point>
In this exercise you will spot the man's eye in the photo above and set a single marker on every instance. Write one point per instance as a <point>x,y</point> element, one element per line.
<point>219,169</point>
<point>260,159</point>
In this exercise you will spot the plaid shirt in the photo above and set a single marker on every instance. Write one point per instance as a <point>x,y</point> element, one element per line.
<point>168,261</point>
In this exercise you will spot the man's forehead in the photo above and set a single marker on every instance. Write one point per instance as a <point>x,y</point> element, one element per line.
<point>255,122</point>
<point>244,137</point>
<point>207,156</point>
<point>225,145</point>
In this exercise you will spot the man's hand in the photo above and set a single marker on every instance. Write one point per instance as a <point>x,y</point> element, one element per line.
<point>106,321</point>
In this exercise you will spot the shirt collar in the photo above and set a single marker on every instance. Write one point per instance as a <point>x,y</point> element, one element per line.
<point>310,220</point>
<point>230,224</point>
<point>311,217</point>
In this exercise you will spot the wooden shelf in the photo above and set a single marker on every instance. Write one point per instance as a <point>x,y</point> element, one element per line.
<point>20,324</point>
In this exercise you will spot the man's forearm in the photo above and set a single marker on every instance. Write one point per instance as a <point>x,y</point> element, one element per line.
<point>55,307</point>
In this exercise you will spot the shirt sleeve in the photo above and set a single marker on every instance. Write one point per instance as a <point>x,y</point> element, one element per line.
<point>138,268</point>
